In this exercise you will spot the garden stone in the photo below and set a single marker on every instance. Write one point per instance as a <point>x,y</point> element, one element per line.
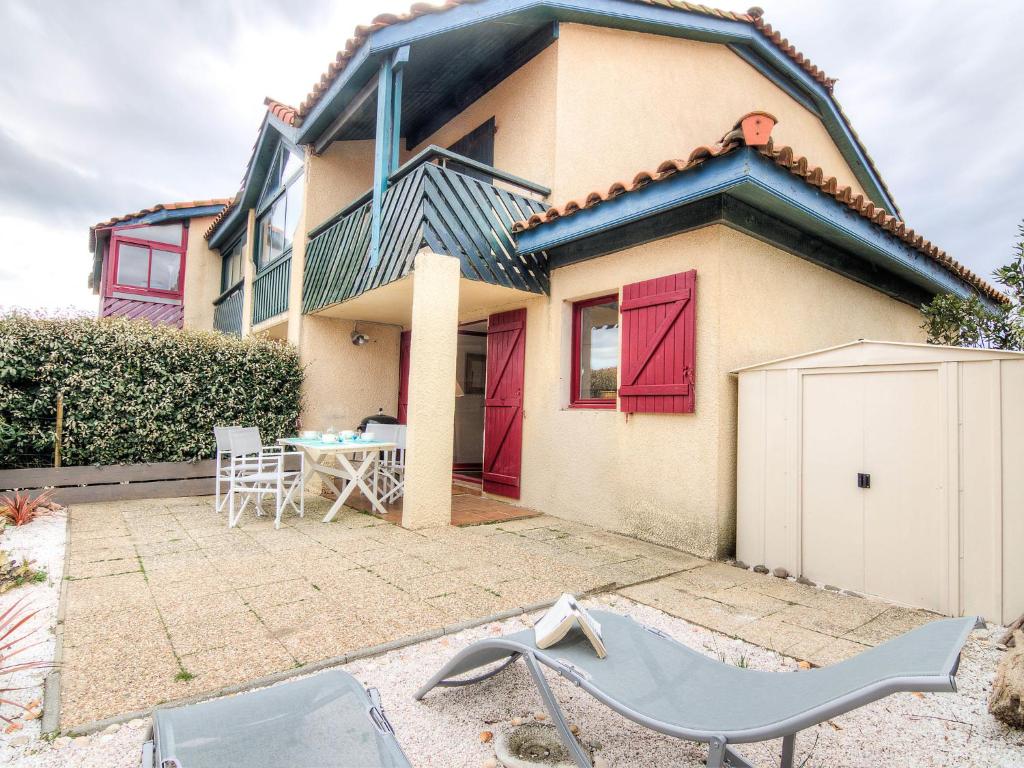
<point>1006,702</point>
<point>805,581</point>
<point>740,564</point>
<point>760,569</point>
<point>780,573</point>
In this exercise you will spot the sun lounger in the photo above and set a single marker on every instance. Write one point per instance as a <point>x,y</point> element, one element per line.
<point>663,685</point>
<point>326,720</point>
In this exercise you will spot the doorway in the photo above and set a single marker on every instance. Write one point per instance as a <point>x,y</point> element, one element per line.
<point>470,384</point>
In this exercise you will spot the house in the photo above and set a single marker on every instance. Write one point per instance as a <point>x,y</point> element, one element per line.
<point>547,251</point>
<point>146,263</point>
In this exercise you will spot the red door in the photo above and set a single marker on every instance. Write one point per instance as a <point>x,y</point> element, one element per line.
<point>503,413</point>
<point>404,345</point>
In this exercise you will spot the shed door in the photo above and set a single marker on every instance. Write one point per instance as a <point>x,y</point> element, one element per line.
<point>503,405</point>
<point>889,539</point>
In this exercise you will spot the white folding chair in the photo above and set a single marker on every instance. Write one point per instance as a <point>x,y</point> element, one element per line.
<point>257,471</point>
<point>223,459</point>
<point>389,475</point>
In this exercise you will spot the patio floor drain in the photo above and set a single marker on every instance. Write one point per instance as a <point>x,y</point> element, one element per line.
<point>534,745</point>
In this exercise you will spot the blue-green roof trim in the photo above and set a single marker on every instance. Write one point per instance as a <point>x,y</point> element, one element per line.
<point>272,132</point>
<point>748,176</point>
<point>741,36</point>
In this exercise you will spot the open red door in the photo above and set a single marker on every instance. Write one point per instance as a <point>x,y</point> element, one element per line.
<point>503,413</point>
<point>404,345</point>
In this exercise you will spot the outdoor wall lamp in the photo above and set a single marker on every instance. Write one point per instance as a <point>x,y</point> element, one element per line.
<point>358,338</point>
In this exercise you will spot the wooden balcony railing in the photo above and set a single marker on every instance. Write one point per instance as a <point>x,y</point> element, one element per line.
<point>433,202</point>
<point>270,289</point>
<point>227,310</point>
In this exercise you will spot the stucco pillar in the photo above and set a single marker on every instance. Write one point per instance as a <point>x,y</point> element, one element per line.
<point>433,353</point>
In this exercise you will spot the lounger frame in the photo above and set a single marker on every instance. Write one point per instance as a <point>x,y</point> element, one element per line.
<point>720,754</point>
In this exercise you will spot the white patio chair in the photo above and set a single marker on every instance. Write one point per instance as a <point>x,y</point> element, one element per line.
<point>389,475</point>
<point>257,471</point>
<point>223,459</point>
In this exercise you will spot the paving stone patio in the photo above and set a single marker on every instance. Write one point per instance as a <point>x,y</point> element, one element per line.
<point>165,602</point>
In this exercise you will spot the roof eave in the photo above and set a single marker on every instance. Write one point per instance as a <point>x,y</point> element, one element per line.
<point>272,130</point>
<point>757,181</point>
<point>626,14</point>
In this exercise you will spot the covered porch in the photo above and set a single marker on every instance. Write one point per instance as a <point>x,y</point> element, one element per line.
<point>448,355</point>
<point>469,507</point>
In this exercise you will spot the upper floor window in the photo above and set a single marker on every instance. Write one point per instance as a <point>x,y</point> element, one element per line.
<point>477,145</point>
<point>231,267</point>
<point>595,352</point>
<point>279,208</point>
<point>148,260</point>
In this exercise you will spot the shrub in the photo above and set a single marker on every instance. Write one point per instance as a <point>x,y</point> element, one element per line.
<point>21,508</point>
<point>134,392</point>
<point>15,630</point>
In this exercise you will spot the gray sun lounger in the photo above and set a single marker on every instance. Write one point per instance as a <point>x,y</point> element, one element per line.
<point>326,720</point>
<point>663,685</point>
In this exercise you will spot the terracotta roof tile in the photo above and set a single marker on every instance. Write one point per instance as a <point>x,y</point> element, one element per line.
<point>754,17</point>
<point>159,207</point>
<point>281,110</point>
<point>222,215</point>
<point>799,166</point>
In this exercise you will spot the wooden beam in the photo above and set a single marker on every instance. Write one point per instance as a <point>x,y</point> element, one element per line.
<point>530,48</point>
<point>398,62</point>
<point>381,155</point>
<point>351,111</point>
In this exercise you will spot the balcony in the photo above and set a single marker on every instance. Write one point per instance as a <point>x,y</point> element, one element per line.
<point>227,310</point>
<point>432,202</point>
<point>270,289</point>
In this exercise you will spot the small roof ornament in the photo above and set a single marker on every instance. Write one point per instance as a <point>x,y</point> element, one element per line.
<point>757,128</point>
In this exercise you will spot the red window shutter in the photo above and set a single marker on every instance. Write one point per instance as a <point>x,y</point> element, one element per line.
<point>658,343</point>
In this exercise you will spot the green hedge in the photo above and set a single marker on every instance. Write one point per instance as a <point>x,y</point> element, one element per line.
<point>134,392</point>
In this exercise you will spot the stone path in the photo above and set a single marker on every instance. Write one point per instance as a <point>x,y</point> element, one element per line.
<point>807,623</point>
<point>165,602</point>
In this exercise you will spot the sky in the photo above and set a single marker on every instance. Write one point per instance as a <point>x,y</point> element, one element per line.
<point>108,107</point>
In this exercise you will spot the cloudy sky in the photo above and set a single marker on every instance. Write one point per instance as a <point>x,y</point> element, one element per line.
<point>107,107</point>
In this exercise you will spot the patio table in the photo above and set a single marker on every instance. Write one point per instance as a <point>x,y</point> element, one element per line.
<point>345,453</point>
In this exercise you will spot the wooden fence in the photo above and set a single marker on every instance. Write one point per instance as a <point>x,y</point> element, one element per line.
<point>116,482</point>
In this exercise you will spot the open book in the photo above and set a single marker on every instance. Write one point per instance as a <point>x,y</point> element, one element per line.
<point>562,616</point>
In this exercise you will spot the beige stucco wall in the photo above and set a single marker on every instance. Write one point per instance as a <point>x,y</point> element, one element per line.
<point>202,276</point>
<point>345,383</point>
<point>629,100</point>
<point>523,107</point>
<point>337,177</point>
<point>670,478</point>
<point>778,305</point>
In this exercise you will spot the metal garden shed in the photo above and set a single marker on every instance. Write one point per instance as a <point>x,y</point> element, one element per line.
<point>888,469</point>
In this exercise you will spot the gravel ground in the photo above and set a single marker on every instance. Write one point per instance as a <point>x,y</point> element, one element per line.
<point>42,540</point>
<point>925,731</point>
